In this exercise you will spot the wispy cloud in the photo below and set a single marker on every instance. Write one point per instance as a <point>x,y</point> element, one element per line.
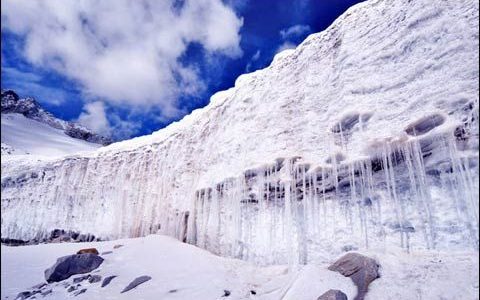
<point>285,46</point>
<point>29,84</point>
<point>123,51</point>
<point>252,61</point>
<point>294,31</point>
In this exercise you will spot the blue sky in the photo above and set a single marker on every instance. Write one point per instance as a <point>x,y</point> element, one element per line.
<point>128,68</point>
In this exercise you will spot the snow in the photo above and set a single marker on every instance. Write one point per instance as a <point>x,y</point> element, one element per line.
<point>27,136</point>
<point>193,272</point>
<point>248,176</point>
<point>198,274</point>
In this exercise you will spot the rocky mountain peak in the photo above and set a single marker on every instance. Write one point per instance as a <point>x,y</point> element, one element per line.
<point>30,108</point>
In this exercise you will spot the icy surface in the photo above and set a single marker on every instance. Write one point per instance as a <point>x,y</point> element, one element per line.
<point>365,136</point>
<point>181,271</point>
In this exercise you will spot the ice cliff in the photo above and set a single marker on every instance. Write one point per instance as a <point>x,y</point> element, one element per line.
<point>364,136</point>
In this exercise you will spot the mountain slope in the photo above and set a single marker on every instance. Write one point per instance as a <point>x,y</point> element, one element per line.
<point>11,103</point>
<point>27,136</point>
<point>365,136</point>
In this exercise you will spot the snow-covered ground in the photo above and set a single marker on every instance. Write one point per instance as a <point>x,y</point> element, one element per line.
<point>197,274</point>
<point>23,136</point>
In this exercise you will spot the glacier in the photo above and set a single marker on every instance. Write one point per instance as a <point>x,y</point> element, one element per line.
<point>366,136</point>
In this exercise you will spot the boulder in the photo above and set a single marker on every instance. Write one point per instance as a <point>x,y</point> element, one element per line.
<point>117,246</point>
<point>107,280</point>
<point>80,279</point>
<point>23,295</point>
<point>69,265</point>
<point>94,278</point>
<point>88,250</point>
<point>333,295</point>
<point>361,269</point>
<point>136,282</point>
<point>71,288</point>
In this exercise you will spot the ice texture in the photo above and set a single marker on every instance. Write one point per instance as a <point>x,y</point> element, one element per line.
<point>331,147</point>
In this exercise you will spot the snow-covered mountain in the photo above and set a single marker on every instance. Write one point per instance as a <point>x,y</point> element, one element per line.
<point>27,128</point>
<point>363,137</point>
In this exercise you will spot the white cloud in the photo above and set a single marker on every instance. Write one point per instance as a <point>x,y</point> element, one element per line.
<point>28,84</point>
<point>294,31</point>
<point>285,46</point>
<point>124,51</point>
<point>95,117</point>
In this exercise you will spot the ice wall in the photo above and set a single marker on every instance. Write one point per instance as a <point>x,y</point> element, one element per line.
<point>366,135</point>
<point>413,194</point>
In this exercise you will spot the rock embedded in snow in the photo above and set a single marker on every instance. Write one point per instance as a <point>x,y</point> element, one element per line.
<point>23,295</point>
<point>88,250</point>
<point>361,269</point>
<point>136,282</point>
<point>39,286</point>
<point>69,265</point>
<point>94,278</point>
<point>107,280</point>
<point>333,295</point>
<point>80,292</point>
<point>80,279</point>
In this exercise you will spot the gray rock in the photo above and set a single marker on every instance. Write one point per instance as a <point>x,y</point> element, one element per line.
<point>80,292</point>
<point>226,293</point>
<point>107,280</point>
<point>94,278</point>
<point>361,269</point>
<point>69,265</point>
<point>333,295</point>
<point>23,295</point>
<point>107,252</point>
<point>46,292</point>
<point>39,286</point>
<point>136,282</point>
<point>80,279</point>
<point>71,289</point>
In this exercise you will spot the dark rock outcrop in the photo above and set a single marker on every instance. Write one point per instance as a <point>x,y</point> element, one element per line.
<point>361,269</point>
<point>67,266</point>
<point>333,295</point>
<point>107,280</point>
<point>136,282</point>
